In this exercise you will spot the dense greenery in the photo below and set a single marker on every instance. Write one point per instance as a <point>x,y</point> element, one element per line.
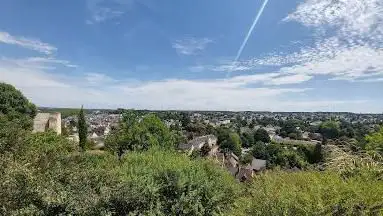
<point>229,141</point>
<point>15,107</point>
<point>13,101</point>
<point>375,141</point>
<point>82,129</point>
<point>50,178</point>
<point>311,193</point>
<point>45,174</point>
<point>139,134</point>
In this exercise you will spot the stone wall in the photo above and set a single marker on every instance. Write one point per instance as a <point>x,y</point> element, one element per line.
<point>46,121</point>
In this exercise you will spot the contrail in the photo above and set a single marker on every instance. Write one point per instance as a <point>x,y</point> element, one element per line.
<point>251,30</point>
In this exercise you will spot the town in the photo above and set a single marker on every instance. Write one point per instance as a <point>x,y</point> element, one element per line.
<point>198,129</point>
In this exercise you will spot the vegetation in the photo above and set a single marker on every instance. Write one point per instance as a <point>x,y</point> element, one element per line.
<point>82,129</point>
<point>13,101</point>
<point>45,174</point>
<point>375,141</point>
<point>140,134</point>
<point>329,129</point>
<point>229,141</point>
<point>262,135</point>
<point>311,193</point>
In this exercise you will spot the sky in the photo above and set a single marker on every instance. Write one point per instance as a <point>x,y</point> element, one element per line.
<point>247,55</point>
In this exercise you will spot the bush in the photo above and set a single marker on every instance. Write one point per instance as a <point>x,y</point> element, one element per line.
<point>311,193</point>
<point>154,182</point>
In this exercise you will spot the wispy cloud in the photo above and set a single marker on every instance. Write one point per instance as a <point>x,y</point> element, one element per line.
<point>191,46</point>
<point>36,62</point>
<point>28,43</point>
<point>104,10</point>
<point>347,47</point>
<point>102,14</point>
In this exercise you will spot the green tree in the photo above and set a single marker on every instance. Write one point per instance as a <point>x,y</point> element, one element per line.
<point>140,134</point>
<point>289,127</point>
<point>261,135</point>
<point>246,159</point>
<point>259,151</point>
<point>12,100</point>
<point>82,129</point>
<point>185,119</point>
<point>330,129</point>
<point>16,107</point>
<point>247,140</point>
<point>230,142</point>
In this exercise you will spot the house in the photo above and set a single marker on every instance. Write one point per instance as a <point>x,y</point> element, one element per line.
<point>47,121</point>
<point>198,142</point>
<point>247,172</point>
<point>242,173</point>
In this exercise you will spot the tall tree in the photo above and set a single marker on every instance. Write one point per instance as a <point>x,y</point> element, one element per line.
<point>14,106</point>
<point>330,129</point>
<point>82,129</point>
<point>261,135</point>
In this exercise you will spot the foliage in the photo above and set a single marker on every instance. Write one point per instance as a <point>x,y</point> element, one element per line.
<point>82,129</point>
<point>140,134</point>
<point>65,112</point>
<point>246,159</point>
<point>349,164</point>
<point>286,157</point>
<point>289,127</point>
<point>185,119</point>
<point>199,129</point>
<point>247,140</point>
<point>310,193</point>
<point>261,135</point>
<point>52,179</point>
<point>12,133</point>
<point>330,129</point>
<point>229,141</point>
<point>375,141</point>
<point>13,101</point>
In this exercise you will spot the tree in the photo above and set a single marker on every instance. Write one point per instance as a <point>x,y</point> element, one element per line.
<point>185,119</point>
<point>329,129</point>
<point>261,135</point>
<point>229,141</point>
<point>12,100</point>
<point>259,151</point>
<point>82,129</point>
<point>246,159</point>
<point>289,127</point>
<point>15,107</point>
<point>247,140</point>
<point>140,134</point>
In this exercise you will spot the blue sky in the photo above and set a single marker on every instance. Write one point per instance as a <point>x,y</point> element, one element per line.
<point>302,55</point>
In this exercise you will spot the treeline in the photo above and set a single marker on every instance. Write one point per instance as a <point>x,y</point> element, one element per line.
<point>142,173</point>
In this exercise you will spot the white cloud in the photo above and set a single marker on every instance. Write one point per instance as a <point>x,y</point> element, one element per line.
<point>101,91</point>
<point>102,14</point>
<point>289,79</point>
<point>349,45</point>
<point>104,10</point>
<point>349,17</point>
<point>28,43</point>
<point>37,62</point>
<point>191,46</point>
<point>98,79</point>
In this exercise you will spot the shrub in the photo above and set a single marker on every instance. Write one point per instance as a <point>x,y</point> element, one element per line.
<point>311,193</point>
<point>155,182</point>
